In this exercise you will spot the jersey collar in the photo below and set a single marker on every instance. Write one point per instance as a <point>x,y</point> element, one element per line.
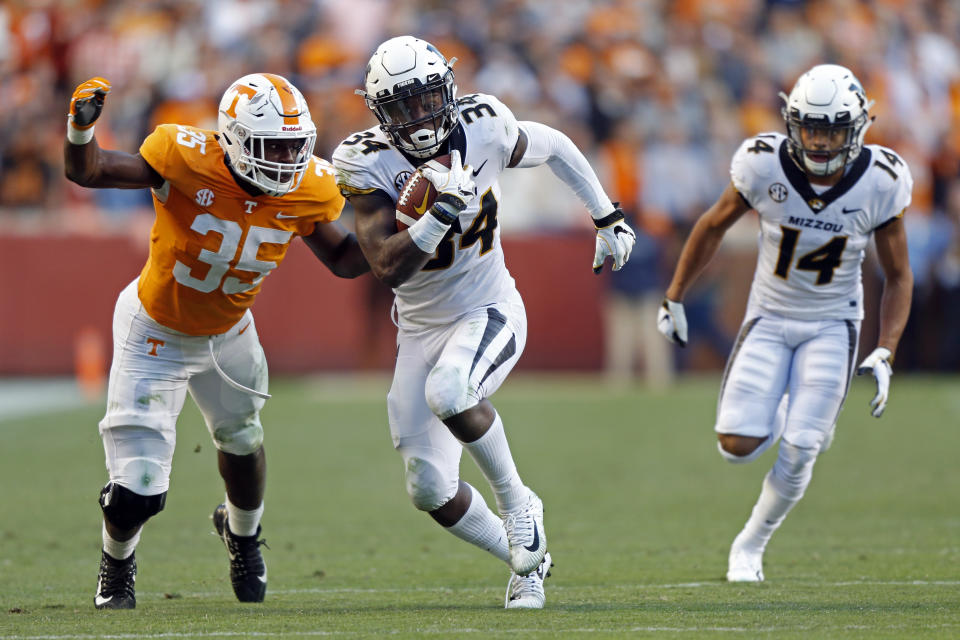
<point>818,202</point>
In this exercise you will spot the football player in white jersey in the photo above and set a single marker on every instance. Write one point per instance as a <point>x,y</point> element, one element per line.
<point>820,194</point>
<point>461,323</point>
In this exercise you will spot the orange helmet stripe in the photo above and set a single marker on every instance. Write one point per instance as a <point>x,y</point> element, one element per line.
<point>287,98</point>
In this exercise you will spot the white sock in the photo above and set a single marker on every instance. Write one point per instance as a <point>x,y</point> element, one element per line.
<point>119,550</point>
<point>482,528</point>
<point>767,516</point>
<point>492,454</point>
<point>242,522</point>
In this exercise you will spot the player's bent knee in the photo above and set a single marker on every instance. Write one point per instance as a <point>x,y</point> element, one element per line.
<point>426,486</point>
<point>145,475</point>
<point>736,459</point>
<point>128,510</point>
<point>446,391</point>
<point>740,449</point>
<point>240,439</point>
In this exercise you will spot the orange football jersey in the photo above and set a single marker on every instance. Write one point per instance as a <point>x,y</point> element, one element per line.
<point>212,243</point>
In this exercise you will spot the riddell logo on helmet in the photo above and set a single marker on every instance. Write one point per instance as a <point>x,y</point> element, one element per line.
<point>291,128</point>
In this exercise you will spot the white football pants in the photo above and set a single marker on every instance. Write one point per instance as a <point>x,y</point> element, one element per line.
<point>153,368</point>
<point>812,360</point>
<point>441,372</point>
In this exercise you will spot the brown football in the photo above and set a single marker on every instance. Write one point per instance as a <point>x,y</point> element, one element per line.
<point>416,196</point>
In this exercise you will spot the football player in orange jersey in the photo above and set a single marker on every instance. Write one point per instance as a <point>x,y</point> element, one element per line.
<point>228,204</point>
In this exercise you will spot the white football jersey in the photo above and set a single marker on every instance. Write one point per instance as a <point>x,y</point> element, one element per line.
<point>467,271</point>
<point>812,238</point>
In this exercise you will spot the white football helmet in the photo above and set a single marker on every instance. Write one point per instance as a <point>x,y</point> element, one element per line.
<point>409,87</point>
<point>829,97</point>
<point>257,109</point>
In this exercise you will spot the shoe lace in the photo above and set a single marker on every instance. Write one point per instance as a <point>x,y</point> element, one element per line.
<point>523,585</point>
<point>117,577</point>
<point>519,524</point>
<point>247,558</point>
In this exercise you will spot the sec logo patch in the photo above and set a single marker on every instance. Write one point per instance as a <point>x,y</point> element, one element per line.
<point>204,197</point>
<point>401,179</point>
<point>778,192</point>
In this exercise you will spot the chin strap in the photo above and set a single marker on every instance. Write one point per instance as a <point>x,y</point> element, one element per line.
<point>230,381</point>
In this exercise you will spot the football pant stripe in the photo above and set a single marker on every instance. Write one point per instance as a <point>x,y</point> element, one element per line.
<point>496,321</point>
<point>505,354</point>
<point>744,331</point>
<point>853,339</point>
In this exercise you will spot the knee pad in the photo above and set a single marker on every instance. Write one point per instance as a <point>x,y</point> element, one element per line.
<point>239,439</point>
<point>426,486</point>
<point>126,509</point>
<point>446,391</point>
<point>793,470</point>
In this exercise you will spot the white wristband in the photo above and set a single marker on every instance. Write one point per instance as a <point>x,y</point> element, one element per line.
<point>78,136</point>
<point>428,232</point>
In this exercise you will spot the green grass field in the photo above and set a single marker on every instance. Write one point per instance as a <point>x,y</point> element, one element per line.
<point>640,511</point>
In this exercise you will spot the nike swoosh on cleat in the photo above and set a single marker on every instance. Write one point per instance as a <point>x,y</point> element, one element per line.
<point>100,600</point>
<point>476,171</point>
<point>262,579</point>
<point>536,539</point>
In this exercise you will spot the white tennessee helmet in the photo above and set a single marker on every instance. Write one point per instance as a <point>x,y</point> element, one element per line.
<point>409,87</point>
<point>260,109</point>
<point>828,97</point>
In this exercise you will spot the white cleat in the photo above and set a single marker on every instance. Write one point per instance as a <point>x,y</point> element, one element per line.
<point>525,536</point>
<point>526,592</point>
<point>745,565</point>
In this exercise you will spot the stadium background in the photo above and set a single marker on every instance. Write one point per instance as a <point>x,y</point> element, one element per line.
<point>657,94</point>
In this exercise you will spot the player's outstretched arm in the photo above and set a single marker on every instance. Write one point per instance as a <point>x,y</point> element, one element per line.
<point>338,249</point>
<point>891,241</point>
<point>697,252</point>
<point>84,161</point>
<point>539,144</point>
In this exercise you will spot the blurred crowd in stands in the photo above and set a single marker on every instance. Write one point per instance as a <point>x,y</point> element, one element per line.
<point>658,93</point>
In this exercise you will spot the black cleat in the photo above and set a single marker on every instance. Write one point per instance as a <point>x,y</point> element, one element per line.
<point>248,573</point>
<point>115,584</point>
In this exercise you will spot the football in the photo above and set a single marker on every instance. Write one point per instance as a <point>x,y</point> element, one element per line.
<point>417,195</point>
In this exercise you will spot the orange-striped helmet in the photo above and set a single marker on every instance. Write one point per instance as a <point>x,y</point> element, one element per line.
<point>266,132</point>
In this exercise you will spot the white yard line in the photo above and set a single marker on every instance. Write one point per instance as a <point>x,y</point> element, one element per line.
<point>562,588</point>
<point>449,631</point>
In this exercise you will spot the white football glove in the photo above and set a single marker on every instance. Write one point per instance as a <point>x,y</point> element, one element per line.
<point>455,186</point>
<point>615,238</point>
<point>672,322</point>
<point>878,363</point>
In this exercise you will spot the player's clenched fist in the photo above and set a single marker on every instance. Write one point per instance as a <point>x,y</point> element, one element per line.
<point>86,103</point>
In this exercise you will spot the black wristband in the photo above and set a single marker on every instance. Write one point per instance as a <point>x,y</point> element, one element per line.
<point>447,207</point>
<point>609,220</point>
<point>444,212</point>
